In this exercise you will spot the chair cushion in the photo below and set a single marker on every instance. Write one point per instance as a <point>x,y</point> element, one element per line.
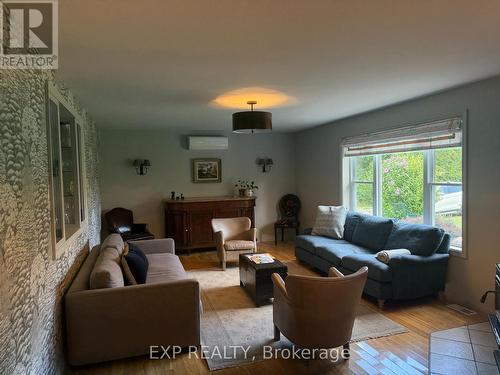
<point>238,245</point>
<point>376,269</point>
<point>372,232</point>
<point>164,267</point>
<point>137,263</point>
<point>330,221</point>
<point>335,252</point>
<point>107,272</point>
<point>115,241</point>
<point>310,243</point>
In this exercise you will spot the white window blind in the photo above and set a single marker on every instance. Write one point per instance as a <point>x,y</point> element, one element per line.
<point>427,136</point>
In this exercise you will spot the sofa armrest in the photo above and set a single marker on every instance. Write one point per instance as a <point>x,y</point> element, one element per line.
<point>104,324</point>
<point>161,245</point>
<point>418,276</point>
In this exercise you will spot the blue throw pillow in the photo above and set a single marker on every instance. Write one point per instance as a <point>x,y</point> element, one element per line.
<point>351,221</point>
<point>372,232</point>
<point>420,239</point>
<point>137,263</point>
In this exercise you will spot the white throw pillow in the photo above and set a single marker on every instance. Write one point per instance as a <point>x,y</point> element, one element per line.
<point>330,221</point>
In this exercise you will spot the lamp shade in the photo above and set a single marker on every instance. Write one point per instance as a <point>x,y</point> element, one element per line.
<point>252,122</point>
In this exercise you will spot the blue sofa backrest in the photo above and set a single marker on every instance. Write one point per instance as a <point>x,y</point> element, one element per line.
<point>380,233</point>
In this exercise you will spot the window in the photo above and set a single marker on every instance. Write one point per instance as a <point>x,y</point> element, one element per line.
<point>67,188</point>
<point>413,174</point>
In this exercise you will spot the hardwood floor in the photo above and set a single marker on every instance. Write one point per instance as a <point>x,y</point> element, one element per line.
<point>405,353</point>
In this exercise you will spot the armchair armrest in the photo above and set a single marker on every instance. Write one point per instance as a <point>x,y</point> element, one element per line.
<point>333,272</point>
<point>307,231</point>
<point>162,245</point>
<point>140,227</point>
<point>279,287</point>
<point>417,276</point>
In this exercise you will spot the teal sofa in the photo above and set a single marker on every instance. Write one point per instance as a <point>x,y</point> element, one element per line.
<point>419,274</point>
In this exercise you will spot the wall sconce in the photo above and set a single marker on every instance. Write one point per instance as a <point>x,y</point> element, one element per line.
<point>265,163</point>
<point>141,166</point>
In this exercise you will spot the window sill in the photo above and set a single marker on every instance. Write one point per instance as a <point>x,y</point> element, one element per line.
<point>459,253</point>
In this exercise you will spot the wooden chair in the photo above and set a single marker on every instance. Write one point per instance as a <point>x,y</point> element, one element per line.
<point>289,206</point>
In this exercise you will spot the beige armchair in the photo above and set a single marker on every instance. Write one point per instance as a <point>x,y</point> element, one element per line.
<point>233,236</point>
<point>317,312</point>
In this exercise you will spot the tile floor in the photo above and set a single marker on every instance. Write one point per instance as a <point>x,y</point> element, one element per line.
<point>464,350</point>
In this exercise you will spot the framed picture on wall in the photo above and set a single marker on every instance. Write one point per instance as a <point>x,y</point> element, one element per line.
<point>206,170</point>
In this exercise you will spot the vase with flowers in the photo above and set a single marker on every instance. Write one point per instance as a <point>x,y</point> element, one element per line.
<point>246,188</point>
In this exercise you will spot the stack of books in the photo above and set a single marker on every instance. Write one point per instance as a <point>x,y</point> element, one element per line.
<point>261,258</point>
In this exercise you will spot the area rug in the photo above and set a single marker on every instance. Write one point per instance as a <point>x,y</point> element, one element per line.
<point>230,320</point>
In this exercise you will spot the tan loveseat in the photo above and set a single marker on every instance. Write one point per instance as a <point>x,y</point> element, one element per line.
<point>124,321</point>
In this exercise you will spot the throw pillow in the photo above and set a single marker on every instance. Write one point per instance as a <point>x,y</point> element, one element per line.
<point>106,272</point>
<point>137,264</point>
<point>330,221</point>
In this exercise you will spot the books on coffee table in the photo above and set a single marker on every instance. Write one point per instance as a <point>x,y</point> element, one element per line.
<point>261,258</point>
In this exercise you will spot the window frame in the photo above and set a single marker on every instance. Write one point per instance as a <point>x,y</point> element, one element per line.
<point>348,183</point>
<point>61,246</point>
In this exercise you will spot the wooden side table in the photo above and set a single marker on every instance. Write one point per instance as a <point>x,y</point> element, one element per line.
<point>285,224</point>
<point>256,278</point>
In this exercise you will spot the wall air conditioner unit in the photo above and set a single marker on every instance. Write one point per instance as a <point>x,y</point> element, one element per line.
<point>208,143</point>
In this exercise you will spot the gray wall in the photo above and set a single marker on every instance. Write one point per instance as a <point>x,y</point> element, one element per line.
<point>318,172</point>
<point>171,171</point>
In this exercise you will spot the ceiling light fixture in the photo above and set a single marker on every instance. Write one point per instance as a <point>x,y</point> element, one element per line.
<point>249,122</point>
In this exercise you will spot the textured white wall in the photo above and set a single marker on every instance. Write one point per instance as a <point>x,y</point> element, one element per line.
<point>171,171</point>
<point>31,283</point>
<point>318,172</point>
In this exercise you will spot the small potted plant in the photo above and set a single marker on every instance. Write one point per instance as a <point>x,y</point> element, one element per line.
<point>250,189</point>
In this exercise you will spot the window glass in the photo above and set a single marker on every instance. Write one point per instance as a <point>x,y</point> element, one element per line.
<point>363,168</point>
<point>448,165</point>
<point>403,186</point>
<point>364,198</point>
<point>448,211</point>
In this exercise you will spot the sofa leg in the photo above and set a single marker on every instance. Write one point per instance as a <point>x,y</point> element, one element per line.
<point>381,303</point>
<point>223,265</point>
<point>277,334</point>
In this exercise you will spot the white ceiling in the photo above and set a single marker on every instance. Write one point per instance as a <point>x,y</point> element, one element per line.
<point>160,63</point>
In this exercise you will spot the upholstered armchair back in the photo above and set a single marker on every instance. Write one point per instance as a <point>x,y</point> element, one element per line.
<point>319,312</point>
<point>231,228</point>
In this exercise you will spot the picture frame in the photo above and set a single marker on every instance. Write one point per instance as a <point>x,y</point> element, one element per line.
<point>206,170</point>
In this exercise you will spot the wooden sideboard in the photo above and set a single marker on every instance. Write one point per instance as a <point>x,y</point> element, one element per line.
<point>188,221</point>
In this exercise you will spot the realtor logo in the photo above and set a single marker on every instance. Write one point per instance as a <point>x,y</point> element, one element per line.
<point>28,34</point>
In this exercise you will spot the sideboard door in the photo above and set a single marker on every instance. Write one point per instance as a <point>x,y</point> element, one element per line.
<point>176,227</point>
<point>200,228</point>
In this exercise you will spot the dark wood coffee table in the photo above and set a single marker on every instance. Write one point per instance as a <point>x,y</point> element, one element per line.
<point>256,278</point>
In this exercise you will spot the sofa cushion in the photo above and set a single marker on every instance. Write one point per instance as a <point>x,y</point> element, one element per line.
<point>351,221</point>
<point>444,247</point>
<point>334,252</point>
<point>376,269</point>
<point>420,239</point>
<point>310,243</point>
<point>106,272</point>
<point>330,221</point>
<point>372,232</point>
<point>164,267</point>
<point>137,263</point>
<point>237,245</point>
<point>115,241</point>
